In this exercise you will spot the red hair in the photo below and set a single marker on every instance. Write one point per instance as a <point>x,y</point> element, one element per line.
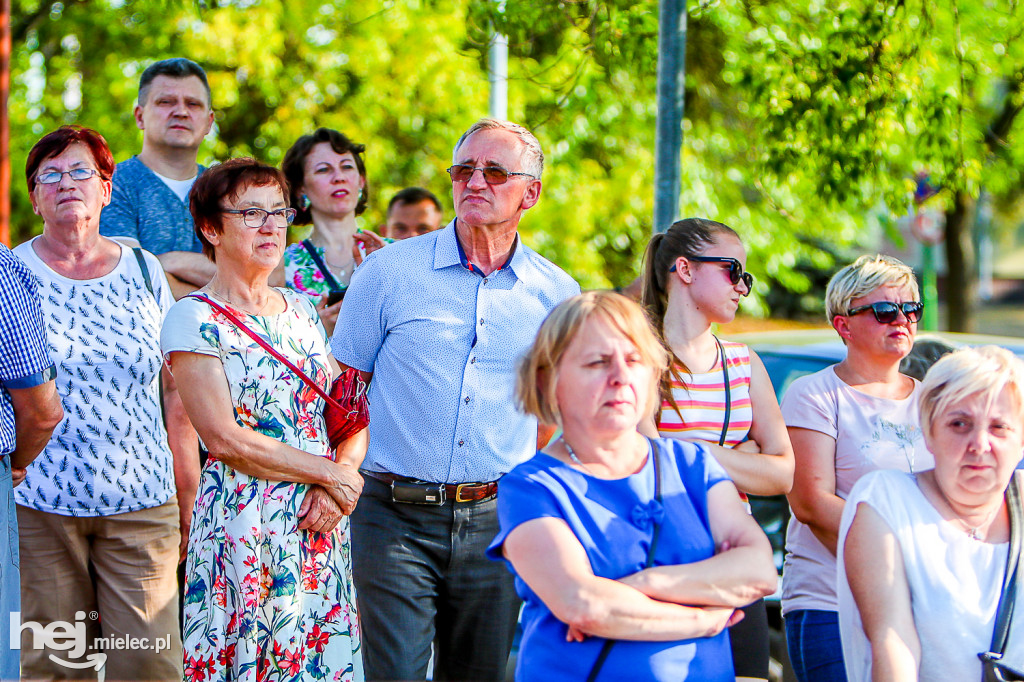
<point>54,144</point>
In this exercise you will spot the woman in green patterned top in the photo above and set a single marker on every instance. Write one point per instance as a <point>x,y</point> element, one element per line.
<point>327,177</point>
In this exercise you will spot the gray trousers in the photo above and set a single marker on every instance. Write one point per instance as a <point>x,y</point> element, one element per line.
<point>421,575</point>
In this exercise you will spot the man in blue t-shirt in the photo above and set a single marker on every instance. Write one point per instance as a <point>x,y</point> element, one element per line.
<point>149,202</point>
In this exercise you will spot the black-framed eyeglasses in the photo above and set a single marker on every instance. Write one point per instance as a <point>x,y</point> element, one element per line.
<point>887,312</point>
<point>256,217</point>
<point>77,174</point>
<point>493,175</point>
<point>736,274</point>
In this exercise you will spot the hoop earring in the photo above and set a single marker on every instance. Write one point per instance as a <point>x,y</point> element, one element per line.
<point>360,197</point>
<point>304,202</point>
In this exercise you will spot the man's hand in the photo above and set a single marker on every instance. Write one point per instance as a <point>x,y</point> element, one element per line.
<point>18,475</point>
<point>319,512</point>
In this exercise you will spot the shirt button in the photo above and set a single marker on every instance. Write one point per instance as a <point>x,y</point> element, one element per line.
<point>461,443</point>
<point>481,321</point>
<point>485,280</point>
<point>472,361</point>
<point>467,398</point>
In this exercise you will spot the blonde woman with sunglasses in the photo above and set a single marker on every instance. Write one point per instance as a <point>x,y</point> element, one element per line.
<point>716,391</point>
<point>849,419</point>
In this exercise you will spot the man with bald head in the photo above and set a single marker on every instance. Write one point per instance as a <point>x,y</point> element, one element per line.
<point>439,322</point>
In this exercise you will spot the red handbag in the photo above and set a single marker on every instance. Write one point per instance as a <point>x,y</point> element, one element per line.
<point>346,409</point>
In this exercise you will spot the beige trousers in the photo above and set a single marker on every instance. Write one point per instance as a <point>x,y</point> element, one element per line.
<point>113,580</point>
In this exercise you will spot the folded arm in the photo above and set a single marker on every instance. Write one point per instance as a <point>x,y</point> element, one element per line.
<point>549,558</point>
<point>768,470</point>
<point>187,271</point>
<point>740,573</point>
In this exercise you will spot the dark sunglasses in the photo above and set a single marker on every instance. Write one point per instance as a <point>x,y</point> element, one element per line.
<point>887,312</point>
<point>736,273</point>
<point>493,175</point>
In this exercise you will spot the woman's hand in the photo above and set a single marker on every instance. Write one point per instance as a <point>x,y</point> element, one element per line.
<point>371,242</point>
<point>319,512</point>
<point>328,314</point>
<point>345,487</point>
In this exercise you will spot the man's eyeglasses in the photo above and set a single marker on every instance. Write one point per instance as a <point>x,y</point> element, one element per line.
<point>736,274</point>
<point>887,312</point>
<point>493,175</point>
<point>256,217</point>
<point>77,174</point>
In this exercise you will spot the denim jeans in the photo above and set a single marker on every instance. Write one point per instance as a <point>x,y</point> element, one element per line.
<point>815,649</point>
<point>10,582</point>
<point>421,574</point>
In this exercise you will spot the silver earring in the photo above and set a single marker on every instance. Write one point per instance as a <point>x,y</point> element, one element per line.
<point>360,197</point>
<point>304,202</point>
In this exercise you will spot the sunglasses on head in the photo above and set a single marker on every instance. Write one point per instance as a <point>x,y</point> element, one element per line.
<point>736,274</point>
<point>887,312</point>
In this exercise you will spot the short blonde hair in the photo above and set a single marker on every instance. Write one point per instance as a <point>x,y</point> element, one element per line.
<point>863,276</point>
<point>538,371</point>
<point>985,371</point>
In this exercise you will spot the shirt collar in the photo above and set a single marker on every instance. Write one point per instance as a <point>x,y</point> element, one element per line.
<point>448,251</point>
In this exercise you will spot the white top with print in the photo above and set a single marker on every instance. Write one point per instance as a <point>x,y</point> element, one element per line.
<point>109,454</point>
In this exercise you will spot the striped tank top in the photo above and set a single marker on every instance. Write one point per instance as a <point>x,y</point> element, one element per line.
<point>701,401</point>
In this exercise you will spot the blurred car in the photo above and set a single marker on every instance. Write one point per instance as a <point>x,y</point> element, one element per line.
<point>788,356</point>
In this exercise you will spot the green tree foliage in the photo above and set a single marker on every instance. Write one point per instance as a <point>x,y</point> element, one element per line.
<point>801,117</point>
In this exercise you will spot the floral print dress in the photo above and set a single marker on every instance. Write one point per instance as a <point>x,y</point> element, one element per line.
<point>263,600</point>
<point>302,274</point>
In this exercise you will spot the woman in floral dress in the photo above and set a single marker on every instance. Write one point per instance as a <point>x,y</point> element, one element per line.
<point>269,592</point>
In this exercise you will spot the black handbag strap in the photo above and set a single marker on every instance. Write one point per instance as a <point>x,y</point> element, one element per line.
<point>1004,613</point>
<point>145,270</point>
<point>606,648</point>
<point>328,277</point>
<point>728,394</point>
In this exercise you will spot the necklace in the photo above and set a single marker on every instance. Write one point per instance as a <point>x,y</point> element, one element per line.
<point>237,305</point>
<point>575,459</point>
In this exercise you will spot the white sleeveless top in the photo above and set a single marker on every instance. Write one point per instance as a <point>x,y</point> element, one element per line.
<point>954,581</point>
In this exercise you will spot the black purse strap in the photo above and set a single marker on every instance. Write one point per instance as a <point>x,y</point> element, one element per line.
<point>606,648</point>
<point>328,277</point>
<point>1004,612</point>
<point>728,394</point>
<point>145,270</point>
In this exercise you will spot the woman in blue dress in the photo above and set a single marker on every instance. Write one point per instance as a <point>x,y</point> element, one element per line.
<point>632,555</point>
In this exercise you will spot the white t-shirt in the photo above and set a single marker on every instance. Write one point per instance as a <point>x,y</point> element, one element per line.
<point>109,454</point>
<point>871,433</point>
<point>179,187</point>
<point>954,581</point>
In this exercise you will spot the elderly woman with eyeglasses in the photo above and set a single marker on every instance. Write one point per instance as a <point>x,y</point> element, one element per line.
<point>922,556</point>
<point>97,509</point>
<point>269,592</point>
<point>845,421</point>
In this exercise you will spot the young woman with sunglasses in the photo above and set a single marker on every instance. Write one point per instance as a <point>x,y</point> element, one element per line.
<point>845,421</point>
<point>717,391</point>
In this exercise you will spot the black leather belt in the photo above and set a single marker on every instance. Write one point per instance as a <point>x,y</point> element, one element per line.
<point>414,491</point>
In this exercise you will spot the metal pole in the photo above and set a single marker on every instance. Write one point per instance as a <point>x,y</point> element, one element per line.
<point>5,122</point>
<point>497,73</point>
<point>669,131</point>
<point>929,289</point>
